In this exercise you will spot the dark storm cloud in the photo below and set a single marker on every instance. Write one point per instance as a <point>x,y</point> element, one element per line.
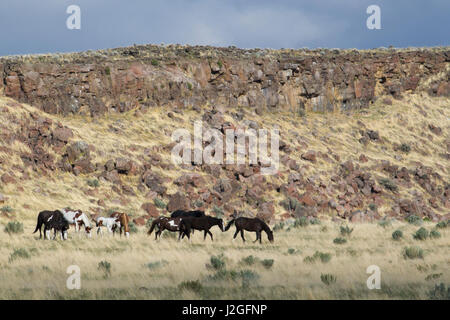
<point>40,26</point>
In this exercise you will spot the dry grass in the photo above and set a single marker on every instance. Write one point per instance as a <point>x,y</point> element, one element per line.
<point>43,274</point>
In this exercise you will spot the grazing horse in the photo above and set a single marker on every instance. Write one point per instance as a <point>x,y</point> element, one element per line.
<point>83,220</point>
<point>182,213</point>
<point>200,223</point>
<point>124,219</point>
<point>250,224</point>
<point>52,220</point>
<point>78,219</point>
<point>109,223</point>
<point>165,223</point>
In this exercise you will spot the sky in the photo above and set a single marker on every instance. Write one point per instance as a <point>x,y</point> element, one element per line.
<point>39,26</point>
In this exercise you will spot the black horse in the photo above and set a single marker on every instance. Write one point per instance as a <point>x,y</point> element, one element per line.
<point>250,224</point>
<point>183,214</point>
<point>200,223</point>
<point>51,220</point>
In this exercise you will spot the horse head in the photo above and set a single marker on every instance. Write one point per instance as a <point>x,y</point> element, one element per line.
<point>270,235</point>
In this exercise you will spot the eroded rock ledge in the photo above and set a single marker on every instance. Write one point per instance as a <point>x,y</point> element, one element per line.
<point>177,76</point>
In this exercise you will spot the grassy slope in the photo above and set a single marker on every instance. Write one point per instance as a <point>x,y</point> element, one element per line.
<point>290,277</point>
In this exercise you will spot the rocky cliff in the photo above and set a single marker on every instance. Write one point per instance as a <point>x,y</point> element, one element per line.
<point>181,76</point>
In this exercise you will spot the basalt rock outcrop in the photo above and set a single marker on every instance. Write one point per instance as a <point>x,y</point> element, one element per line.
<point>180,76</point>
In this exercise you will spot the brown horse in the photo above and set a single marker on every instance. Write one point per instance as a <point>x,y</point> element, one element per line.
<point>124,219</point>
<point>250,224</point>
<point>165,223</point>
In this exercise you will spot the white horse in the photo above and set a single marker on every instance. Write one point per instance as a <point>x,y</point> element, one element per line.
<point>109,223</point>
<point>78,218</point>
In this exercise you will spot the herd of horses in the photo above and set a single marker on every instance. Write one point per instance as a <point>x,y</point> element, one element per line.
<point>183,222</point>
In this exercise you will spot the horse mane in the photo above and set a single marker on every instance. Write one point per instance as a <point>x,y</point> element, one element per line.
<point>264,225</point>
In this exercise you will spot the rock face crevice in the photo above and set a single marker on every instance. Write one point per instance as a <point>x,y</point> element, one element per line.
<point>179,76</point>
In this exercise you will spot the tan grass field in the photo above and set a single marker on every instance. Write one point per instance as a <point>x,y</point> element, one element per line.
<point>38,268</point>
<point>42,273</point>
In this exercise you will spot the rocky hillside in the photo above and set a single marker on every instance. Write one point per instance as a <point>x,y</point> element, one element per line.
<point>93,131</point>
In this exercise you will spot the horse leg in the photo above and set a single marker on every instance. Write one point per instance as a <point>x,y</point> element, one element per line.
<point>235,234</point>
<point>242,235</point>
<point>210,234</point>
<point>204,235</point>
<point>257,236</point>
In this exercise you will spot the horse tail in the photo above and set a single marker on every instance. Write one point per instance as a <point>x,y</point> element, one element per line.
<point>125,221</point>
<point>152,227</point>
<point>229,224</point>
<point>38,225</point>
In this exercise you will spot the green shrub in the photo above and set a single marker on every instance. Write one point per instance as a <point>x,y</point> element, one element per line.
<point>250,260</point>
<point>132,227</point>
<point>328,278</point>
<point>247,277</point>
<point>198,203</point>
<point>219,63</point>
<point>14,227</point>
<point>397,235</point>
<point>433,276</point>
<point>421,234</point>
<point>301,222</point>
<point>194,286</point>
<point>107,71</point>
<point>404,147</point>
<point>340,240</point>
<point>415,220</point>
<point>440,292</point>
<point>346,231</point>
<point>217,262</point>
<point>94,183</point>
<point>159,203</point>
<point>189,86</point>
<point>218,211</point>
<point>388,184</point>
<point>6,209</point>
<point>434,234</point>
<point>267,263</point>
<point>105,266</point>
<point>156,264</point>
<point>19,253</point>
<point>442,225</point>
<point>385,223</point>
<point>278,226</point>
<point>314,221</point>
<point>322,256</point>
<point>154,62</point>
<point>291,251</point>
<point>413,253</point>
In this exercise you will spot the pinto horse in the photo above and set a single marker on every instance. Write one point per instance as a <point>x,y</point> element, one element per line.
<point>250,224</point>
<point>78,219</point>
<point>109,223</point>
<point>124,219</point>
<point>165,223</point>
<point>200,223</point>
